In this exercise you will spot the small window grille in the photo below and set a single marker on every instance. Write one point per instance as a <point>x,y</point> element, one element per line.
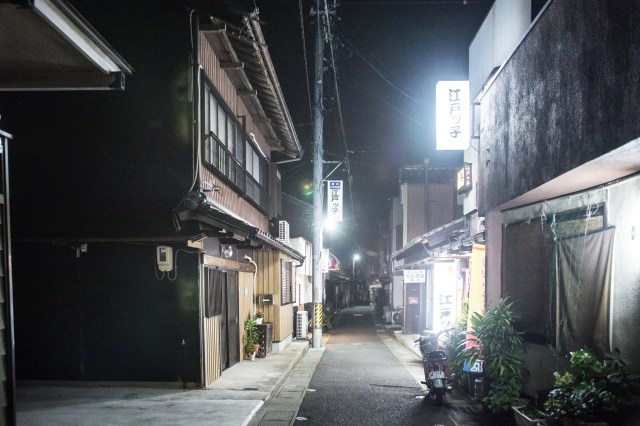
<point>287,287</point>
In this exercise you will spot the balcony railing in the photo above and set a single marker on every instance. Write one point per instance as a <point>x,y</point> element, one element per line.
<point>230,168</point>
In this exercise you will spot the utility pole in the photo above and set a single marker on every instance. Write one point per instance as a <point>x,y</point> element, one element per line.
<point>317,183</point>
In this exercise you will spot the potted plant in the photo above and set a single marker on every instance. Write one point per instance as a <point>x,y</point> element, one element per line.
<point>494,340</point>
<point>454,342</point>
<point>527,415</point>
<point>251,344</point>
<point>588,393</point>
<point>258,317</point>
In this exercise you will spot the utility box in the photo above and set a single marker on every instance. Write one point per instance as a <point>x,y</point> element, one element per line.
<point>264,299</point>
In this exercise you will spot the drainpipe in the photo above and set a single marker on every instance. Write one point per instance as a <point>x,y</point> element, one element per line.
<point>255,271</point>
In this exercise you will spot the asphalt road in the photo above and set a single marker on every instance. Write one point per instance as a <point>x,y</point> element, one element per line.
<point>359,381</point>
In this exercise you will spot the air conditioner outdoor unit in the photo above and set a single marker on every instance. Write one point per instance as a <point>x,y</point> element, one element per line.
<point>302,319</point>
<point>283,232</point>
<point>397,316</point>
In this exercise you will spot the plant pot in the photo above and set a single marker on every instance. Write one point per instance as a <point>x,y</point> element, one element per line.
<point>259,321</point>
<point>252,356</point>
<point>479,388</point>
<point>528,416</point>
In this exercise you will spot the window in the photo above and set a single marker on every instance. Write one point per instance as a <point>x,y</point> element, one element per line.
<point>228,150</point>
<point>287,286</point>
<point>214,289</point>
<point>221,132</point>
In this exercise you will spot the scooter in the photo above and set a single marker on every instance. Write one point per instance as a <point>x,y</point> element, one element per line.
<point>433,362</point>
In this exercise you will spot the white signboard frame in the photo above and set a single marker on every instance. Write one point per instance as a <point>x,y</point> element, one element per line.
<point>414,276</point>
<point>334,200</point>
<point>453,115</point>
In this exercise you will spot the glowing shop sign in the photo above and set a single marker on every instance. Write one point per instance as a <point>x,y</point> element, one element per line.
<point>334,200</point>
<point>453,124</point>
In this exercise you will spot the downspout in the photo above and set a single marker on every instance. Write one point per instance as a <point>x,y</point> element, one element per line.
<point>255,272</point>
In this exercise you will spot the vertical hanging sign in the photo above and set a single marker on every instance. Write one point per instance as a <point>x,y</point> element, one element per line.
<point>453,123</point>
<point>334,200</point>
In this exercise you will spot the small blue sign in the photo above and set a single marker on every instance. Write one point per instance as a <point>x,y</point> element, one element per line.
<point>476,368</point>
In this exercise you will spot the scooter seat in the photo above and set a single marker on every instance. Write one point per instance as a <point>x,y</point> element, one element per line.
<point>437,356</point>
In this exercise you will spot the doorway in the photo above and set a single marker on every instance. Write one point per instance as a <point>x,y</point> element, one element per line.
<point>221,318</point>
<point>412,310</point>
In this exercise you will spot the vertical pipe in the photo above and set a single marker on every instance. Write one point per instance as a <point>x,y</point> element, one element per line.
<point>317,183</point>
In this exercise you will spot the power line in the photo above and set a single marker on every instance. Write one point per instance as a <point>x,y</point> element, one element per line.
<point>389,105</point>
<point>306,64</point>
<point>339,105</point>
<point>384,77</point>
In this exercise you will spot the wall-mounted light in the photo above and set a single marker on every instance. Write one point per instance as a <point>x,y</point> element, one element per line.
<point>227,252</point>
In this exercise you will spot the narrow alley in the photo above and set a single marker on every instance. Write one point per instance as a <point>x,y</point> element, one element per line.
<point>364,376</point>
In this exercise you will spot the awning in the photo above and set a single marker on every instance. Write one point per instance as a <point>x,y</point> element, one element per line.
<point>195,207</point>
<point>375,284</point>
<point>268,239</point>
<point>429,245</point>
<point>48,45</point>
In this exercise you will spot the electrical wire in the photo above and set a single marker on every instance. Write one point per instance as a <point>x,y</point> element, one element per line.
<point>389,105</point>
<point>339,105</point>
<point>384,77</point>
<point>306,64</point>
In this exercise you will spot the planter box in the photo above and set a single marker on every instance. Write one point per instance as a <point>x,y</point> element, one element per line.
<point>523,419</point>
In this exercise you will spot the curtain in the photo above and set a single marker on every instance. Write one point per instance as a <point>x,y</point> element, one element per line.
<point>527,249</point>
<point>583,267</point>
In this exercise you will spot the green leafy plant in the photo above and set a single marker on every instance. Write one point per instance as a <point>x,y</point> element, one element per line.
<point>499,345</point>
<point>250,336</point>
<point>588,390</point>
<point>454,342</point>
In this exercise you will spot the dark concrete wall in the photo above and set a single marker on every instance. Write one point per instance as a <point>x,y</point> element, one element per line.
<point>568,95</point>
<point>103,315</point>
<point>108,163</point>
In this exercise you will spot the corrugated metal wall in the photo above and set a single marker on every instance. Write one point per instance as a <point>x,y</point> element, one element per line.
<point>501,32</point>
<point>7,371</point>
<point>211,331</point>
<point>268,282</point>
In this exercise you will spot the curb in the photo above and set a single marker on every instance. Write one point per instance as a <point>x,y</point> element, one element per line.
<point>292,365</point>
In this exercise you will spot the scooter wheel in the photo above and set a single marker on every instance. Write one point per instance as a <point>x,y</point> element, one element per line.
<point>439,398</point>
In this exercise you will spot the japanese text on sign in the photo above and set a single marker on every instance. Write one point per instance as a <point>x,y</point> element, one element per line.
<point>452,115</point>
<point>414,275</point>
<point>334,200</point>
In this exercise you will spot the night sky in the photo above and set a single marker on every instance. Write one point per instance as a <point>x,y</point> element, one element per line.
<point>389,56</point>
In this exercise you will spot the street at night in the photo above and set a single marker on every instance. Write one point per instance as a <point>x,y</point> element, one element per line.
<point>367,377</point>
<point>246,212</point>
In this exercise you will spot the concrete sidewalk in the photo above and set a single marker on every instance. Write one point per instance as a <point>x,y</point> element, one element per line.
<point>232,400</point>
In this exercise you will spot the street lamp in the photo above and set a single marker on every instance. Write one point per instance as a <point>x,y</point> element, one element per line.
<point>356,257</point>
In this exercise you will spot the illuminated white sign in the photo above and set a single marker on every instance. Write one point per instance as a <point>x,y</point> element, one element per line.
<point>334,200</point>
<point>444,295</point>
<point>453,124</point>
<point>414,275</point>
